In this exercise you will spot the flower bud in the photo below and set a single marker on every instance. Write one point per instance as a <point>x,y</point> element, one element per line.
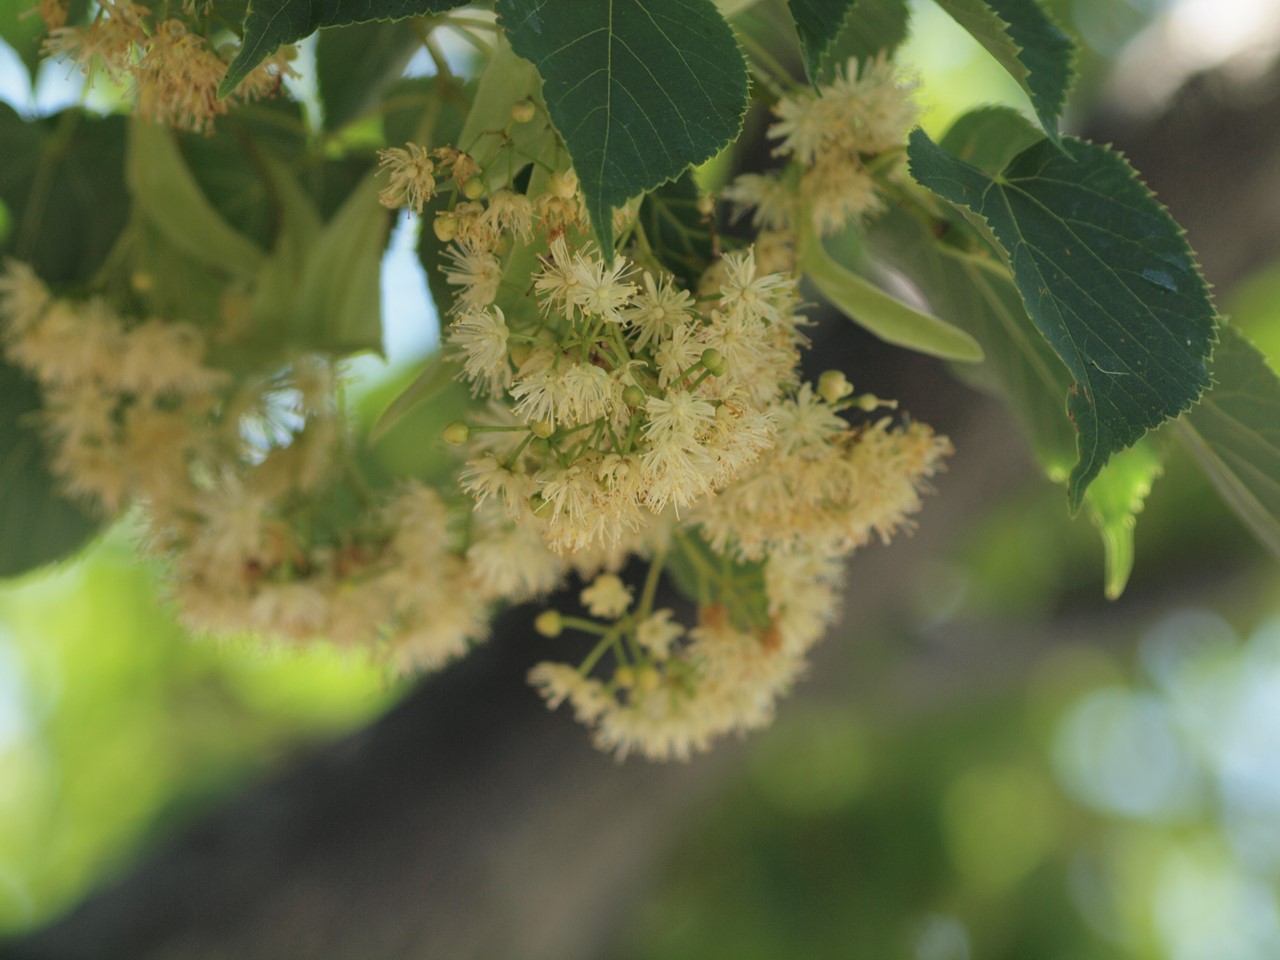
<point>549,623</point>
<point>523,111</point>
<point>833,386</point>
<point>713,360</point>
<point>624,677</point>
<point>542,428</point>
<point>457,433</point>
<point>633,396</point>
<point>473,189</point>
<point>446,227</point>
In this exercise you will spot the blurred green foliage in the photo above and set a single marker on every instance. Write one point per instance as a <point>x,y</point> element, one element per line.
<point>115,725</point>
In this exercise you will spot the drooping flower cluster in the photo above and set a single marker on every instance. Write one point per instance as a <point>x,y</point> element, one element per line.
<point>829,135</point>
<point>628,416</point>
<point>233,473</point>
<point>618,413</point>
<point>171,65</point>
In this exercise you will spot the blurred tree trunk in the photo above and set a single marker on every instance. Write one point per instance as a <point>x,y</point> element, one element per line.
<point>471,823</point>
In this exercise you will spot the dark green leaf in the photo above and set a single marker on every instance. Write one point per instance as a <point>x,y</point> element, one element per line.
<point>425,110</point>
<point>1235,435</point>
<point>23,31</point>
<point>37,524</point>
<point>679,233</point>
<point>818,22</point>
<point>1106,275</point>
<point>269,23</point>
<point>874,27</point>
<point>639,89</point>
<point>355,64</point>
<point>1029,45</point>
<point>62,178</point>
<point>228,167</point>
<point>974,291</point>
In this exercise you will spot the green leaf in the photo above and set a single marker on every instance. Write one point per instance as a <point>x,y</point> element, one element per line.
<point>873,28</point>
<point>639,89</point>
<point>1114,500</point>
<point>270,23</point>
<point>62,179</point>
<point>973,290</point>
<point>37,524</point>
<point>436,376</point>
<point>1029,45</point>
<point>168,195</point>
<point>507,80</point>
<point>228,166</point>
<point>355,64</point>
<point>340,293</point>
<point>818,22</point>
<point>24,31</point>
<point>989,137</point>
<point>876,311</point>
<point>678,232</point>
<point>1106,275</point>
<point>1234,434</point>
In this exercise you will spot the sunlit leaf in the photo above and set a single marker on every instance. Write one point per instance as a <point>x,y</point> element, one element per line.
<point>340,293</point>
<point>269,23</point>
<point>167,194</point>
<point>1029,45</point>
<point>1114,500</point>
<point>890,319</point>
<point>1128,313</point>
<point>639,89</point>
<point>436,375</point>
<point>1234,434</point>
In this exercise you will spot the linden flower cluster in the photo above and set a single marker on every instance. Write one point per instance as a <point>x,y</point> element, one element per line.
<point>627,416</point>
<point>830,135</point>
<point>172,67</point>
<point>233,474</point>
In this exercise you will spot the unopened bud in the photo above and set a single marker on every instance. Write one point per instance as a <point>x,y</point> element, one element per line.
<point>713,360</point>
<point>833,386</point>
<point>624,677</point>
<point>563,185</point>
<point>648,680</point>
<point>473,189</point>
<point>549,623</point>
<point>869,402</point>
<point>633,396</point>
<point>542,428</point>
<point>457,433</point>
<point>523,111</point>
<point>446,227</point>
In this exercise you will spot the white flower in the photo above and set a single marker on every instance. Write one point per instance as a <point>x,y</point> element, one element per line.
<point>480,337</point>
<point>607,597</point>
<point>657,309</point>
